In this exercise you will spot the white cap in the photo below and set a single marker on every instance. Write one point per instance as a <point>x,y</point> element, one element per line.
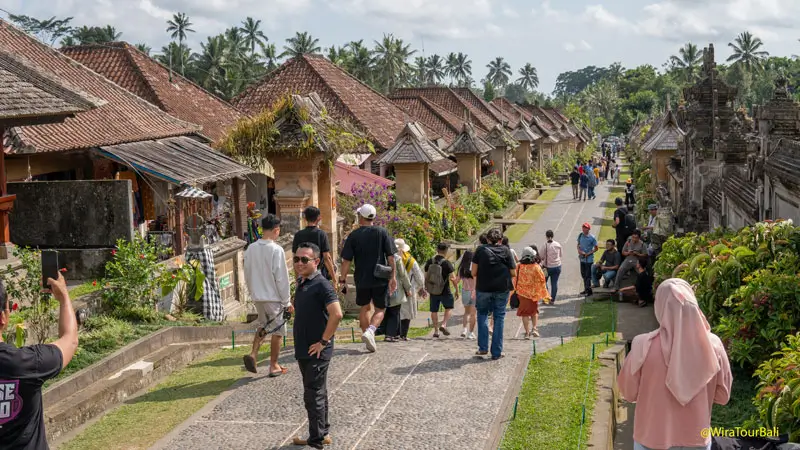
<point>367,211</point>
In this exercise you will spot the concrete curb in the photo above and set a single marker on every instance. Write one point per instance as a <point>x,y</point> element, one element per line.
<point>607,412</point>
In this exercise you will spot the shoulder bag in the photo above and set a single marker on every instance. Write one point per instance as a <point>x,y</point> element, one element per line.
<point>381,272</point>
<point>514,297</point>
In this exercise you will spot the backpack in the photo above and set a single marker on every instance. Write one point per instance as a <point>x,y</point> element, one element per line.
<point>434,281</point>
<point>630,222</point>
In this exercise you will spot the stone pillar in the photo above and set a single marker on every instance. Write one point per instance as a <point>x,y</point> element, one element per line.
<point>523,155</point>
<point>498,156</point>
<point>291,202</point>
<point>412,183</point>
<point>239,202</point>
<point>469,171</point>
<point>326,202</point>
<point>295,188</point>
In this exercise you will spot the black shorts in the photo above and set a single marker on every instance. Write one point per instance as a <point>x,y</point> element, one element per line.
<point>446,300</point>
<point>376,295</point>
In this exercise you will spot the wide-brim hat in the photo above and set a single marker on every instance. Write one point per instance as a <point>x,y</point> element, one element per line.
<point>401,245</point>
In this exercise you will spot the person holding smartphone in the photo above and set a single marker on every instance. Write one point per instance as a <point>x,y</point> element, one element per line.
<point>24,370</point>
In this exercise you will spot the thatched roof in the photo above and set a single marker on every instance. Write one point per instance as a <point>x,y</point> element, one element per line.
<point>412,146</point>
<point>468,142</point>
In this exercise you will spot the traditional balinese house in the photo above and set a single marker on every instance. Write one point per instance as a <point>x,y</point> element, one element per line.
<point>503,144</point>
<point>525,151</point>
<point>661,146</point>
<point>344,96</point>
<point>176,95</point>
<point>469,150</point>
<point>774,169</point>
<point>459,105</point>
<point>511,111</point>
<point>712,136</point>
<point>30,96</point>
<point>410,157</point>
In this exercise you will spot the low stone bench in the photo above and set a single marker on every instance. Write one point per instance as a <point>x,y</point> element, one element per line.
<point>505,223</point>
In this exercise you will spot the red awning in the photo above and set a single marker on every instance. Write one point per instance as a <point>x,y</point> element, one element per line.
<point>348,176</point>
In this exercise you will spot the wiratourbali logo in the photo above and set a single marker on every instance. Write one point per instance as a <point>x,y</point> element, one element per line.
<point>10,401</point>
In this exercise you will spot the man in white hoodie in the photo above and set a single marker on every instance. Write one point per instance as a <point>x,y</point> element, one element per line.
<point>267,278</point>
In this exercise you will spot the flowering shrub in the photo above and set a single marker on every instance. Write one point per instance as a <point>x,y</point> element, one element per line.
<point>778,398</point>
<point>133,278</point>
<point>38,311</point>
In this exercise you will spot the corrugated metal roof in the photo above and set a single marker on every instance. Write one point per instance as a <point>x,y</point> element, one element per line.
<point>179,160</point>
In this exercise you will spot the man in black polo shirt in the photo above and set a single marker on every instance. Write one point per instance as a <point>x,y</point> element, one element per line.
<point>312,233</point>
<point>317,315</point>
<point>24,370</point>
<point>367,246</point>
<point>620,224</point>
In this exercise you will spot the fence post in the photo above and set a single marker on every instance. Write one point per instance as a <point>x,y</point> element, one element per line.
<point>353,333</point>
<point>233,338</point>
<point>562,340</point>
<point>429,323</point>
<point>592,352</point>
<point>606,339</point>
<point>534,348</point>
<point>516,402</point>
<point>284,340</point>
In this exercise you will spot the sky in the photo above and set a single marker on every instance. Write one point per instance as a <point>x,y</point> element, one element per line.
<point>555,36</point>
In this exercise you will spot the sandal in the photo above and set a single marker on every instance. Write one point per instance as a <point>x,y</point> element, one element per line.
<point>641,303</point>
<point>278,373</point>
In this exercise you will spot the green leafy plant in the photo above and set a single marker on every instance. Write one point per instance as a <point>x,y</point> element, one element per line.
<point>38,310</point>
<point>186,283</point>
<point>133,279</point>
<point>778,398</point>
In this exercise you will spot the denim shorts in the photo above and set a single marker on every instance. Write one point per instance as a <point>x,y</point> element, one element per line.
<point>468,297</point>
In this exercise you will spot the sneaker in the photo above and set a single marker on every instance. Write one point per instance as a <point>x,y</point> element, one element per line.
<point>464,333</point>
<point>444,331</point>
<point>368,338</point>
<point>300,441</point>
<point>472,336</point>
<point>535,333</point>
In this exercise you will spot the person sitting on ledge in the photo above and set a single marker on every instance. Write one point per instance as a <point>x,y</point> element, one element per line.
<point>642,291</point>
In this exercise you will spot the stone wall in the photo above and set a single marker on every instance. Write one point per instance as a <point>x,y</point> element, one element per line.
<point>71,214</point>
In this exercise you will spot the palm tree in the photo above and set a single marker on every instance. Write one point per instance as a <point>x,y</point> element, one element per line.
<point>529,79</point>
<point>179,26</point>
<point>460,69</point>
<point>499,72</point>
<point>436,69</point>
<point>338,55</point>
<point>252,34</point>
<point>600,99</point>
<point>270,56</point>
<point>391,61</point>
<point>236,45</point>
<point>144,48</point>
<point>360,64</point>
<point>301,44</point>
<point>746,51</point>
<point>173,54</point>
<point>420,71</point>
<point>688,61</point>
<point>212,61</point>
<point>615,71</point>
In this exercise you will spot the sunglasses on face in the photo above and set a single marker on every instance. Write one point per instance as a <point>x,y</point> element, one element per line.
<point>302,259</point>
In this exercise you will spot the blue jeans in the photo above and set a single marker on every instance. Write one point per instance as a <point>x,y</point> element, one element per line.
<point>591,193</point>
<point>494,302</point>
<point>608,275</point>
<point>553,273</point>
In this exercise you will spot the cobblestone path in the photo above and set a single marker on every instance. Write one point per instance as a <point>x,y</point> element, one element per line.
<point>422,394</point>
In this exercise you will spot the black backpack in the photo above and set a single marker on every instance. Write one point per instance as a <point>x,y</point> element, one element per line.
<point>630,222</point>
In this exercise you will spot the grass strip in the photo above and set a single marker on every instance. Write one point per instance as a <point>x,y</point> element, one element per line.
<point>515,233</point>
<point>141,422</point>
<point>84,289</point>
<point>552,395</point>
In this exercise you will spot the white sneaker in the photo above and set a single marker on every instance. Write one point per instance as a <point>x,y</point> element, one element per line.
<point>368,338</point>
<point>464,333</point>
<point>472,336</point>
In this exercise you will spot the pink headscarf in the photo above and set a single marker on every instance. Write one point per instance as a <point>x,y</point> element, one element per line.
<point>686,341</point>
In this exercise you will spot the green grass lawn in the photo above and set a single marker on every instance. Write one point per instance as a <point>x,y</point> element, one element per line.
<point>550,401</point>
<point>515,233</point>
<point>84,289</point>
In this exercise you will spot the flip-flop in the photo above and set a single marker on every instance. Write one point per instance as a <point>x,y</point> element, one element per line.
<point>278,373</point>
<point>250,364</point>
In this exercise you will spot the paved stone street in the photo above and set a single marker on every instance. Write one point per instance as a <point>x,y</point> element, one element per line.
<point>423,394</point>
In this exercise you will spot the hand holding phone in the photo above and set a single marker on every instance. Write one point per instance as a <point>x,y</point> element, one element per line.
<point>49,267</point>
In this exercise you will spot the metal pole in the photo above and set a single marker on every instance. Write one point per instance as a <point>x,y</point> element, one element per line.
<point>592,352</point>
<point>284,340</point>
<point>353,333</point>
<point>233,339</point>
<point>516,403</point>
<point>562,340</point>
<point>534,348</point>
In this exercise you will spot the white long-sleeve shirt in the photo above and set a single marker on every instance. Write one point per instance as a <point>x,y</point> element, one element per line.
<point>265,272</point>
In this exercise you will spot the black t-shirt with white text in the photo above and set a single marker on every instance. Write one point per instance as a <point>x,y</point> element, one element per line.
<point>447,270</point>
<point>22,373</point>
<point>367,246</point>
<point>311,302</point>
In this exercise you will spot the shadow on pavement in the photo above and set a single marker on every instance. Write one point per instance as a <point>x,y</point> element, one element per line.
<point>437,365</point>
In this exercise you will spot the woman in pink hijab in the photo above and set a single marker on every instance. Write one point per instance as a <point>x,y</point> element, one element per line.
<point>675,374</point>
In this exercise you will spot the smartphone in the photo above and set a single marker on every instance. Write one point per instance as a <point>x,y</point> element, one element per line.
<point>49,266</point>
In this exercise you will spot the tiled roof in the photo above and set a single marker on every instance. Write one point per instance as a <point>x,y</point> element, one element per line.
<point>443,167</point>
<point>125,65</point>
<point>741,191</point>
<point>124,118</point>
<point>436,118</point>
<point>348,176</point>
<point>512,110</point>
<point>784,163</point>
<point>468,142</point>
<point>500,137</point>
<point>451,101</point>
<point>344,96</point>
<point>712,196</point>
<point>412,146</point>
<point>666,136</point>
<point>477,102</point>
<point>523,133</point>
<point>27,92</point>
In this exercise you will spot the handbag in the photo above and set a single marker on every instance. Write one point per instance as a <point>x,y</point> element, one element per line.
<point>514,297</point>
<point>381,271</point>
<point>546,269</point>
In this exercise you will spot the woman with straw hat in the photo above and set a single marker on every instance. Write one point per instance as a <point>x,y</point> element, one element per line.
<point>408,310</point>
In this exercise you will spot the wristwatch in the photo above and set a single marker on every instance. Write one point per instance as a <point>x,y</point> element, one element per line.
<point>324,342</point>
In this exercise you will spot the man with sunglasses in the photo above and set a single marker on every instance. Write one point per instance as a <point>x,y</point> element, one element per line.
<point>267,278</point>
<point>317,315</point>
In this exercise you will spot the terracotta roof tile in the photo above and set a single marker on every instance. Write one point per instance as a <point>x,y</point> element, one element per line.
<point>125,65</point>
<point>512,110</point>
<point>452,102</point>
<point>26,92</point>
<point>477,102</point>
<point>124,118</point>
<point>344,96</point>
<point>434,116</point>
